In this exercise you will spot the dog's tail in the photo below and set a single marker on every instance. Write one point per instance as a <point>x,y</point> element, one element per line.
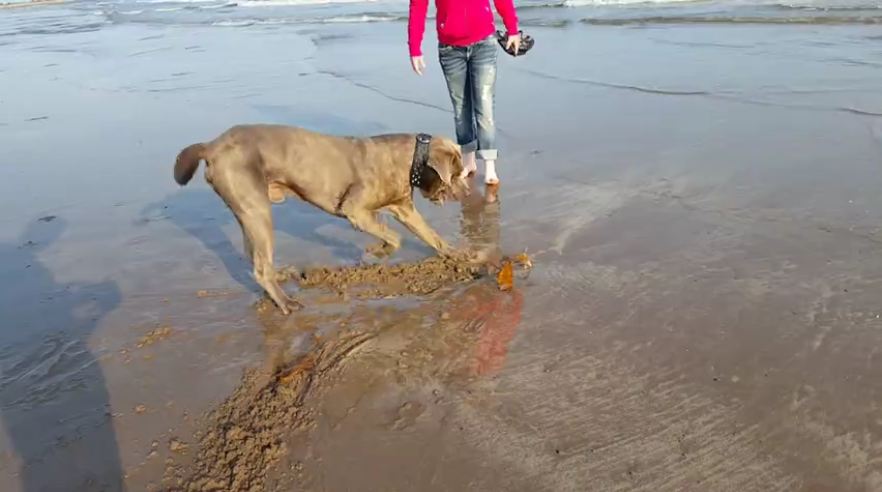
<point>187,163</point>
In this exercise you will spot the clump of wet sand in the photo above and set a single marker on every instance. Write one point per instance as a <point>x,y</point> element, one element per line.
<point>389,280</point>
<point>155,336</point>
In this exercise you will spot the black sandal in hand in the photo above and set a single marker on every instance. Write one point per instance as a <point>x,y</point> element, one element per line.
<point>526,43</point>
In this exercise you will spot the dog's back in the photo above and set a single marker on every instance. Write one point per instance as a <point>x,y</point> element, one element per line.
<point>276,148</point>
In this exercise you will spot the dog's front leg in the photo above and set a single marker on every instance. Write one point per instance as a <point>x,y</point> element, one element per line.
<point>408,215</point>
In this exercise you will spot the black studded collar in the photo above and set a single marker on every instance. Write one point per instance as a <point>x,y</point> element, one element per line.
<point>420,159</point>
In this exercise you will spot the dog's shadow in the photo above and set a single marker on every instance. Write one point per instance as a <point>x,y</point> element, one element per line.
<point>201,213</point>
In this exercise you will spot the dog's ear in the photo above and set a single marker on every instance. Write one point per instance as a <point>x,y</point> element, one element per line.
<point>446,159</point>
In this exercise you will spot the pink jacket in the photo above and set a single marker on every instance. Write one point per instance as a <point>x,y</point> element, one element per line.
<point>459,22</point>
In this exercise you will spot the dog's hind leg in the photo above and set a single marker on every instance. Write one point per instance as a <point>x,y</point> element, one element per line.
<point>246,196</point>
<point>257,231</point>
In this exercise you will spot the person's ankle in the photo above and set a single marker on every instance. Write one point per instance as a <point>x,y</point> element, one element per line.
<point>490,176</point>
<point>469,164</point>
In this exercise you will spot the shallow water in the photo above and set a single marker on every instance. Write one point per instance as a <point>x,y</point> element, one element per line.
<point>701,202</point>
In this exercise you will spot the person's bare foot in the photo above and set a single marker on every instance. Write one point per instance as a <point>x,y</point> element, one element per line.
<point>469,165</point>
<point>490,176</point>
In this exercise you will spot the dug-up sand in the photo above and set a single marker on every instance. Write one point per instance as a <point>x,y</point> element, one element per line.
<point>245,436</point>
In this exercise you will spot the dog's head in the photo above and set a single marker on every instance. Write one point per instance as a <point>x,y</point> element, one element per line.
<point>442,179</point>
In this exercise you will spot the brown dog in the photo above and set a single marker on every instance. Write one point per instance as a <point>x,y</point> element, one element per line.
<point>252,166</point>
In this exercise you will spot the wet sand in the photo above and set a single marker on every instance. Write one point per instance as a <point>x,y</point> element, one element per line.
<point>701,204</point>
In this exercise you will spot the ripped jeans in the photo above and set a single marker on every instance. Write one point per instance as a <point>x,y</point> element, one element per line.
<point>470,72</point>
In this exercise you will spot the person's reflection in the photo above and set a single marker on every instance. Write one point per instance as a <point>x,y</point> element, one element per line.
<point>496,314</point>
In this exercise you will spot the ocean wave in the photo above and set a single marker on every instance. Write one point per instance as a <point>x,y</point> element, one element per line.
<point>563,13</point>
<point>343,19</point>
<point>600,3</point>
<point>807,5</point>
<point>288,3</point>
<point>175,1</point>
<point>827,6</point>
<point>698,19</point>
<point>247,22</point>
<point>72,28</point>
<point>576,4</point>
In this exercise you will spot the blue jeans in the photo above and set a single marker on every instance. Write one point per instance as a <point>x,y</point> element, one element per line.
<point>470,72</point>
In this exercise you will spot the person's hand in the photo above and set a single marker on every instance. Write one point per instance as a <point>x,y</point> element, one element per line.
<point>513,41</point>
<point>418,64</point>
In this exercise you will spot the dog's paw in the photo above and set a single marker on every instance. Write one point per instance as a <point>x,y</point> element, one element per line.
<point>380,250</point>
<point>290,305</point>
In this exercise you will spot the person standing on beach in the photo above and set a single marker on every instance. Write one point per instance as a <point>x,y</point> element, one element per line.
<point>467,52</point>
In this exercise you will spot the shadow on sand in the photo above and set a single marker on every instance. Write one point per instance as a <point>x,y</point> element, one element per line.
<point>203,215</point>
<point>55,404</point>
